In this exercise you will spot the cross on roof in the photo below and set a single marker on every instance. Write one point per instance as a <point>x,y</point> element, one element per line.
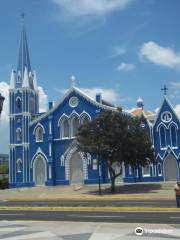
<point>164,89</point>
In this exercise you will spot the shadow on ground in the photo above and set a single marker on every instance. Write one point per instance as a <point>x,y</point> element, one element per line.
<point>130,189</point>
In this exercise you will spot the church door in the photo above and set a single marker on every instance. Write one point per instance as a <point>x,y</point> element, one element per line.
<point>76,169</point>
<point>39,171</point>
<point>171,169</point>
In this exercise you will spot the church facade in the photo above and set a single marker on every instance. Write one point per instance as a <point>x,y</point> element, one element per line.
<point>43,149</point>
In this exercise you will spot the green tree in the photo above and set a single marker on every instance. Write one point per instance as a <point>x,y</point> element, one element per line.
<point>117,139</point>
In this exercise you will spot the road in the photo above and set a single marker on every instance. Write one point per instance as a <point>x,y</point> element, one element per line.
<point>92,216</point>
<point>93,203</point>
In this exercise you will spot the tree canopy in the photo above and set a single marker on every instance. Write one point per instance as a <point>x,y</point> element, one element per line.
<point>117,139</point>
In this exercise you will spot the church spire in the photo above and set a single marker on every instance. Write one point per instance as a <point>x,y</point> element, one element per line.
<point>23,59</point>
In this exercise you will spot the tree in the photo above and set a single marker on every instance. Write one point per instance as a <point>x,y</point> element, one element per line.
<point>117,139</point>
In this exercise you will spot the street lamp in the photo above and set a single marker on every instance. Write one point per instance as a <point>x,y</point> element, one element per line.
<point>1,103</point>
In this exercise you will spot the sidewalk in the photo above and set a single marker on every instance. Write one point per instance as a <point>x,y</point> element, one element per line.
<point>153,191</point>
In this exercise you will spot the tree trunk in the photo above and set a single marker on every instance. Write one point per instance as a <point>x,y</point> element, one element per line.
<point>113,186</point>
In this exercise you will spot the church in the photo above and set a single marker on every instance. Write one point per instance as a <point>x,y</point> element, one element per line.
<point>43,148</point>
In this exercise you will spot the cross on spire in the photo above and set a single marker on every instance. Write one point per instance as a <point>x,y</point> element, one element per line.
<point>22,18</point>
<point>164,89</point>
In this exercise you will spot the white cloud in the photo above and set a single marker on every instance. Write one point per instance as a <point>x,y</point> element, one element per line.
<point>80,8</point>
<point>118,51</point>
<point>127,67</point>
<point>109,95</point>
<point>4,120</point>
<point>43,100</point>
<point>177,110</point>
<point>164,56</point>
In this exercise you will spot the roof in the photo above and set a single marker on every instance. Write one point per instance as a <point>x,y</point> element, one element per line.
<point>82,94</point>
<point>138,112</point>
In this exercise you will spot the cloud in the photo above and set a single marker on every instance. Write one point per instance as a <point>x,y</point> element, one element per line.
<point>4,120</point>
<point>177,110</point>
<point>109,95</point>
<point>164,56</point>
<point>126,67</point>
<point>118,51</point>
<point>43,100</point>
<point>81,8</point>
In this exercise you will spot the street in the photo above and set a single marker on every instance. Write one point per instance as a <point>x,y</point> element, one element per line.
<point>93,216</point>
<point>93,203</point>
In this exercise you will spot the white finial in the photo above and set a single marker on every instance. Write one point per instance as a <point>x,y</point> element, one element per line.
<point>35,81</point>
<point>73,81</point>
<point>25,79</point>
<point>12,80</point>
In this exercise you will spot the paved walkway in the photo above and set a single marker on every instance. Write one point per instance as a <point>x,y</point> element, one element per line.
<point>21,230</point>
<point>124,191</point>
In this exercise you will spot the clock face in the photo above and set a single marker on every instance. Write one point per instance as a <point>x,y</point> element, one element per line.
<point>73,102</point>
<point>166,116</point>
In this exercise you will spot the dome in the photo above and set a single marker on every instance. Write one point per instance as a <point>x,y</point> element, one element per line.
<point>140,103</point>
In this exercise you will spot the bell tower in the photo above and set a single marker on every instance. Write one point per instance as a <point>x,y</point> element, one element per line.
<point>23,107</point>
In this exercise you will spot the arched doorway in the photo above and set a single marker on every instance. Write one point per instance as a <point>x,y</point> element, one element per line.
<point>171,169</point>
<point>76,169</point>
<point>39,171</point>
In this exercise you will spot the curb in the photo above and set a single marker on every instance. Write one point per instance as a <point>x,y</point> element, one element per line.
<point>91,198</point>
<point>104,209</point>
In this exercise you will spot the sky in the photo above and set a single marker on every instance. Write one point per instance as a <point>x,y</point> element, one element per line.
<point>122,48</point>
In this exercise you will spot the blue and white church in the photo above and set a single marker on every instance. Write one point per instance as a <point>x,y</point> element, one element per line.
<point>43,149</point>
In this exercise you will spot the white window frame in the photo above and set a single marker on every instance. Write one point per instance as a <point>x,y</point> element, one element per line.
<point>159,174</point>
<point>149,174</point>
<point>19,165</point>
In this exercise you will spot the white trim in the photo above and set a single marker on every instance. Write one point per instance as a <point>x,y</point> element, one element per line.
<point>68,154</point>
<point>170,130</point>
<point>45,164</point>
<point>162,147</point>
<point>148,174</point>
<point>82,94</point>
<point>73,115</point>
<point>19,161</point>
<point>159,174</point>
<point>39,125</point>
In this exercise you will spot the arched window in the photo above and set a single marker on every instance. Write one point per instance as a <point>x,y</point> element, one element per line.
<point>146,170</point>
<point>85,119</point>
<point>74,126</point>
<point>64,128</point>
<point>39,134</point>
<point>173,136</point>
<point>18,134</point>
<point>159,169</point>
<point>19,165</point>
<point>162,136</point>
<point>18,102</point>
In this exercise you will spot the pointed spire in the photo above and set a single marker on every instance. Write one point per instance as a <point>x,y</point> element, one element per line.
<point>25,83</point>
<point>23,59</point>
<point>12,80</point>
<point>35,81</point>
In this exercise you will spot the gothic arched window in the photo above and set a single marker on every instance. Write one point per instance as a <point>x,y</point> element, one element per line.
<point>159,168</point>
<point>18,102</point>
<point>64,128</point>
<point>85,119</point>
<point>19,165</point>
<point>39,134</point>
<point>18,134</point>
<point>162,136</point>
<point>173,136</point>
<point>74,126</point>
<point>32,104</point>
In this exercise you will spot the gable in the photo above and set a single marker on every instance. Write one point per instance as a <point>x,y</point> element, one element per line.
<point>166,115</point>
<point>74,100</point>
